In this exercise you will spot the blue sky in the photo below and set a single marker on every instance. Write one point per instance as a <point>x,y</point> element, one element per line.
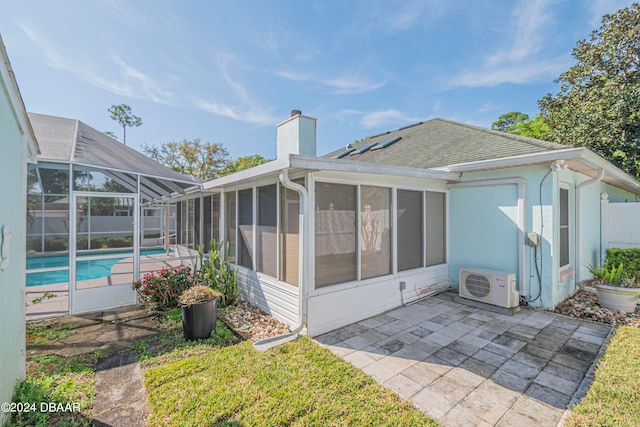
<point>228,72</point>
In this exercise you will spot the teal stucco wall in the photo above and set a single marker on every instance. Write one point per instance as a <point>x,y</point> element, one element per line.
<point>12,279</point>
<point>483,228</point>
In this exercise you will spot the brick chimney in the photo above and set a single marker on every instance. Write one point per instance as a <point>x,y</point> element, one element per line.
<point>297,135</point>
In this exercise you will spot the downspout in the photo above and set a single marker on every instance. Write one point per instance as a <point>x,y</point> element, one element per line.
<point>302,261</point>
<point>303,283</point>
<point>579,187</point>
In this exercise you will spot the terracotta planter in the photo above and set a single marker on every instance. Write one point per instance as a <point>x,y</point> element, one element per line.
<point>199,319</point>
<point>617,298</point>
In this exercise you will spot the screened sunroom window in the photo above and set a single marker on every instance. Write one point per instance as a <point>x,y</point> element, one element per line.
<point>230,223</point>
<point>267,225</point>
<point>215,217</point>
<point>245,228</point>
<point>196,222</point>
<point>335,233</point>
<point>410,219</point>
<point>289,235</point>
<point>206,222</point>
<point>436,228</point>
<point>375,231</point>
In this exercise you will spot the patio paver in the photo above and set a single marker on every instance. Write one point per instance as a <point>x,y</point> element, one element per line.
<point>465,366</point>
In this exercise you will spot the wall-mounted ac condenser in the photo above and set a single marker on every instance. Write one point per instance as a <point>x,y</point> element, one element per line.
<point>488,286</point>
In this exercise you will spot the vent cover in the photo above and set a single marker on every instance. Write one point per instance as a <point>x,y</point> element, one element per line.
<point>478,285</point>
<point>387,142</point>
<point>363,149</point>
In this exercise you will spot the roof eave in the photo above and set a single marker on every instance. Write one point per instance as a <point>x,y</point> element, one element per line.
<point>582,154</point>
<point>325,164</point>
<point>16,99</point>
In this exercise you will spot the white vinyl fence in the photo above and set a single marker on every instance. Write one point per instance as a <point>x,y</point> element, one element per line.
<point>620,225</point>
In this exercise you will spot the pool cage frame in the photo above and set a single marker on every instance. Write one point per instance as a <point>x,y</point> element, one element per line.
<point>136,194</point>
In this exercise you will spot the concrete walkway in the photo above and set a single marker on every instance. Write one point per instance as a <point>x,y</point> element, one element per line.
<point>121,399</point>
<point>466,366</point>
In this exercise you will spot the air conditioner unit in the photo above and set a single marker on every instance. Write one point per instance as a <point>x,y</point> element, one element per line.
<point>491,287</point>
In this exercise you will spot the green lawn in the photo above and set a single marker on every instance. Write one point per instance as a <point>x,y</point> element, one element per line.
<point>59,380</point>
<point>298,383</point>
<point>614,396</point>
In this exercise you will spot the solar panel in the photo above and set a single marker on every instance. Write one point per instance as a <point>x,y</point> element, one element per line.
<point>344,153</point>
<point>363,149</point>
<point>387,142</point>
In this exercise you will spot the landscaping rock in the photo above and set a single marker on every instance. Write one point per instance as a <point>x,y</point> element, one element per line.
<point>584,305</point>
<point>252,323</point>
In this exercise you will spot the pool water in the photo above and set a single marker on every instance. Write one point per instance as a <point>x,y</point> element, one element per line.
<point>85,270</point>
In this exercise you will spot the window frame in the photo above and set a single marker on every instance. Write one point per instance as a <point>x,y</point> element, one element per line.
<point>564,187</point>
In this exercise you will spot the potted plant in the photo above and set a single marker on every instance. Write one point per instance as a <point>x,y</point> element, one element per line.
<point>615,290</point>
<point>199,311</point>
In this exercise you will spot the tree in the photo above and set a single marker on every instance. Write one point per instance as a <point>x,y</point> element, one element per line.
<point>518,123</point>
<point>122,114</point>
<point>509,122</point>
<point>242,163</point>
<point>191,157</point>
<point>110,134</point>
<point>598,105</point>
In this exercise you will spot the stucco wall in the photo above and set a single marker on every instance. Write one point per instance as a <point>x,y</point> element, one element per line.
<point>483,228</point>
<point>12,279</point>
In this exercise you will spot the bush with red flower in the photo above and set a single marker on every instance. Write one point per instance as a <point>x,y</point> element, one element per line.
<point>161,289</point>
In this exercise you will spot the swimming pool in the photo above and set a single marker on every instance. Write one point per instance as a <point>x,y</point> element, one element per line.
<point>85,269</point>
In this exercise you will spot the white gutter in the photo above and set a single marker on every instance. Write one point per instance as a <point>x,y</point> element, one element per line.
<point>522,223</point>
<point>325,164</point>
<point>579,187</point>
<point>581,154</point>
<point>512,161</point>
<point>303,263</point>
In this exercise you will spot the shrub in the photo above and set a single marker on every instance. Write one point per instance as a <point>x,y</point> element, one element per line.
<point>160,289</point>
<point>216,272</point>
<point>630,258</point>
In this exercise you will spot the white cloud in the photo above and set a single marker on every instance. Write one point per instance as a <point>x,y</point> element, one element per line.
<point>530,18</point>
<point>149,85</point>
<point>388,117</point>
<point>520,62</point>
<point>342,85</point>
<point>267,41</point>
<point>402,16</point>
<point>512,73</point>
<point>255,116</point>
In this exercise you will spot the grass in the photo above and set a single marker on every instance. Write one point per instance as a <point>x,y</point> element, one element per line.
<point>47,332</point>
<point>56,379</point>
<point>171,345</point>
<point>298,383</point>
<point>614,396</point>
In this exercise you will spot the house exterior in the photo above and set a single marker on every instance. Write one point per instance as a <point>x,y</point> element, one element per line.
<point>322,242</point>
<point>19,146</point>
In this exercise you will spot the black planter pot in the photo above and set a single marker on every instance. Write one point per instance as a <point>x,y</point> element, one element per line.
<point>199,319</point>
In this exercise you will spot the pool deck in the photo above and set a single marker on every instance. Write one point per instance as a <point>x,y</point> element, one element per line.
<point>121,274</point>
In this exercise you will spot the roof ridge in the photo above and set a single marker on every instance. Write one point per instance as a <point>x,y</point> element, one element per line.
<point>75,140</point>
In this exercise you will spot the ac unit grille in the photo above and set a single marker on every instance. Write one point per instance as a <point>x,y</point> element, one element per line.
<point>478,285</point>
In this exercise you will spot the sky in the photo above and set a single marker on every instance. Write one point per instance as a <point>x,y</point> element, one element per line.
<point>228,72</point>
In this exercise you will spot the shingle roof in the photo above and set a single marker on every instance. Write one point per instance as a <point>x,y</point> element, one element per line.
<point>59,141</point>
<point>439,142</point>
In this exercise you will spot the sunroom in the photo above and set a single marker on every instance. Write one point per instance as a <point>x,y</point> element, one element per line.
<point>318,242</point>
